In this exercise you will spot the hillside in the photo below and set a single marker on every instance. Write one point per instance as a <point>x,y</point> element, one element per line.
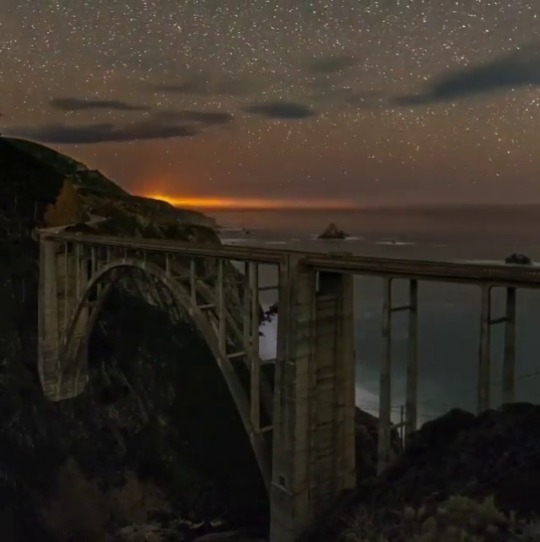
<point>156,430</point>
<point>94,194</point>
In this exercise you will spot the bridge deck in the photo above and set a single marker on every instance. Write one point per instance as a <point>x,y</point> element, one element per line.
<point>445,271</point>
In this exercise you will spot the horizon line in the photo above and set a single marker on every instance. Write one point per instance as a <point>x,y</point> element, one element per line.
<point>217,204</point>
<point>251,204</point>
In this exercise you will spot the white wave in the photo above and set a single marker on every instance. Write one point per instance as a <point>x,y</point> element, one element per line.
<point>233,241</point>
<point>315,237</point>
<point>230,230</point>
<point>394,243</point>
<point>498,262</point>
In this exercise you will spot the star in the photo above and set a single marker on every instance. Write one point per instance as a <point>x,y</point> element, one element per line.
<point>371,100</point>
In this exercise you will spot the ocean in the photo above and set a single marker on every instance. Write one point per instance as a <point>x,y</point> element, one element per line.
<point>449,315</point>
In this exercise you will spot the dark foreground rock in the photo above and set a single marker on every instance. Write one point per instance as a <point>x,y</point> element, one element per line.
<point>182,531</point>
<point>496,453</point>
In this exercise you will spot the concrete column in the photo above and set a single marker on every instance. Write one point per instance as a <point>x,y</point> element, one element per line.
<point>484,361</point>
<point>313,447</point>
<point>62,353</point>
<point>333,458</point>
<point>385,382</point>
<point>411,407</point>
<point>509,360</point>
<point>48,326</point>
<point>290,510</point>
<point>74,355</point>
<point>255,371</point>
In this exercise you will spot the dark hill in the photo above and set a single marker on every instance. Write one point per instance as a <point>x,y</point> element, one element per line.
<point>495,454</point>
<point>156,428</point>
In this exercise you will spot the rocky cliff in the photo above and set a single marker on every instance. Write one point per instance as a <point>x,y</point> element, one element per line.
<point>493,455</point>
<point>156,428</point>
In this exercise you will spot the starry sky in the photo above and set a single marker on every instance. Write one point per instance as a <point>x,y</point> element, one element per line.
<point>283,102</point>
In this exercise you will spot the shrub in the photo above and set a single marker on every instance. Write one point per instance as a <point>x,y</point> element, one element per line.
<point>458,519</point>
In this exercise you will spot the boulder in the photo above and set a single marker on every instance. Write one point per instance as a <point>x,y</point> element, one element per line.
<point>518,259</point>
<point>333,232</point>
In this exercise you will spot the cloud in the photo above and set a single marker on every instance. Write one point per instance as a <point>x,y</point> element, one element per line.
<point>77,104</point>
<point>331,64</point>
<point>208,118</point>
<point>101,133</point>
<point>161,125</point>
<point>205,85</point>
<point>515,70</point>
<point>281,110</point>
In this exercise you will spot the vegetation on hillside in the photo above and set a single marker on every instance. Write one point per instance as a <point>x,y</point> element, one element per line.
<point>458,519</point>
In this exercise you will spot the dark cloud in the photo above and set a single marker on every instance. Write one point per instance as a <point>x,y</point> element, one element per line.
<point>101,133</point>
<point>331,64</point>
<point>281,110</point>
<point>518,69</point>
<point>198,117</point>
<point>211,86</point>
<point>77,104</point>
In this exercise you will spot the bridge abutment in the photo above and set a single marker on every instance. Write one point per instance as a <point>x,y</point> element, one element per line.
<point>63,278</point>
<point>314,398</point>
<point>49,329</point>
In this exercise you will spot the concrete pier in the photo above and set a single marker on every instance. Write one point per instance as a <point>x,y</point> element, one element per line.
<point>314,449</point>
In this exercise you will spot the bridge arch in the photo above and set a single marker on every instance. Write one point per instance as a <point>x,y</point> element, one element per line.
<point>73,372</point>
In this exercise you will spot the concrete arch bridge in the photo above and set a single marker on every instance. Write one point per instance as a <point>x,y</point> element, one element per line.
<point>301,427</point>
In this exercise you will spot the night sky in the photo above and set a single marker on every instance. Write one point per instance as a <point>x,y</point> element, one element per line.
<point>307,102</point>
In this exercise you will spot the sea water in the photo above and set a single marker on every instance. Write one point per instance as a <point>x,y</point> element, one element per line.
<point>449,314</point>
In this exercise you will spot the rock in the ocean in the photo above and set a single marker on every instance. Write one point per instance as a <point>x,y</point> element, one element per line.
<point>333,232</point>
<point>518,259</point>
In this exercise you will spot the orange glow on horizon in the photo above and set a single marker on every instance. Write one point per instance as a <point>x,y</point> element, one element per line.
<point>251,203</point>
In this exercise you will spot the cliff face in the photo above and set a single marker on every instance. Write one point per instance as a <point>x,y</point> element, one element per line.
<point>100,196</point>
<point>458,457</point>
<point>156,428</point>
